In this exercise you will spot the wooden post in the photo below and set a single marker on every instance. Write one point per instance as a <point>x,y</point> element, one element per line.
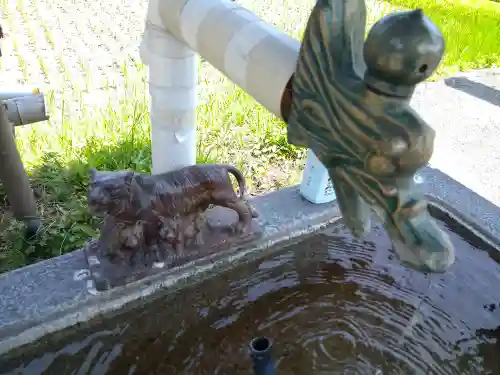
<point>14,179</point>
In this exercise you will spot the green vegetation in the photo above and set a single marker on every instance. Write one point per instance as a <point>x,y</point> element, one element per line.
<point>232,127</point>
<point>58,154</point>
<point>471,29</point>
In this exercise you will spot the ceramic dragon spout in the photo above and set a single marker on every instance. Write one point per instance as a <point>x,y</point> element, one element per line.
<point>350,105</point>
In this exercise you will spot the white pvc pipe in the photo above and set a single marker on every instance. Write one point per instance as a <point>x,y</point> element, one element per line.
<point>14,92</point>
<point>172,76</point>
<point>26,110</point>
<point>254,55</point>
<point>250,52</point>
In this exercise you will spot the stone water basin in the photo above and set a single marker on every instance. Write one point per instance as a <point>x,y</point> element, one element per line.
<point>331,305</point>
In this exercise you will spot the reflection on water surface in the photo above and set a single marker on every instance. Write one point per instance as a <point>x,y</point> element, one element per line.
<point>332,305</point>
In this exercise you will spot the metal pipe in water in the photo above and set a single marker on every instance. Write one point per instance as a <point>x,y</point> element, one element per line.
<point>262,358</point>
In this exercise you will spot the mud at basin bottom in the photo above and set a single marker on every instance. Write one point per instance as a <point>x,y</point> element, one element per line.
<point>330,304</point>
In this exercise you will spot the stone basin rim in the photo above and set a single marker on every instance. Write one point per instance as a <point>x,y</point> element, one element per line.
<point>282,223</point>
<point>464,220</point>
<point>44,298</point>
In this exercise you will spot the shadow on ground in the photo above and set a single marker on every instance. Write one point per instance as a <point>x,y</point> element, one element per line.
<point>477,89</point>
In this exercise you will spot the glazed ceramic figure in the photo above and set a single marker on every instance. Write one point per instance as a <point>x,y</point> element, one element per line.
<point>145,212</point>
<point>351,107</point>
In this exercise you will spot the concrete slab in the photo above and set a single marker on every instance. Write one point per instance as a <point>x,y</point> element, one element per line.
<point>55,294</point>
<point>465,112</point>
<point>58,293</point>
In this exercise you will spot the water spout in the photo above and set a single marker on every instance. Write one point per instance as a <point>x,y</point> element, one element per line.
<point>261,354</point>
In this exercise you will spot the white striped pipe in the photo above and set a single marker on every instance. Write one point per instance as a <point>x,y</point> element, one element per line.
<point>173,76</point>
<point>254,55</point>
<point>14,92</point>
<point>250,52</point>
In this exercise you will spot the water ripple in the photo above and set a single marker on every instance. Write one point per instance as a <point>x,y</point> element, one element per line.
<point>332,305</point>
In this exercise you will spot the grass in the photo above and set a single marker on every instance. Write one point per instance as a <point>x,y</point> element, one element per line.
<point>230,130</point>
<point>232,127</point>
<point>471,29</point>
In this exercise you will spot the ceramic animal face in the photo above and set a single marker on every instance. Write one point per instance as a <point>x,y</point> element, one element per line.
<point>132,235</point>
<point>169,228</point>
<point>109,191</point>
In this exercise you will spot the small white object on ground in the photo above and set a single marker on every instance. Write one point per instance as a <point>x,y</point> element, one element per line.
<point>316,185</point>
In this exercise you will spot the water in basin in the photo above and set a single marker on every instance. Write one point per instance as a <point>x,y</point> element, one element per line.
<point>331,304</point>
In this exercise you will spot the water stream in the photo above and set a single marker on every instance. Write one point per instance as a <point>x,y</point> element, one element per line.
<point>331,304</point>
